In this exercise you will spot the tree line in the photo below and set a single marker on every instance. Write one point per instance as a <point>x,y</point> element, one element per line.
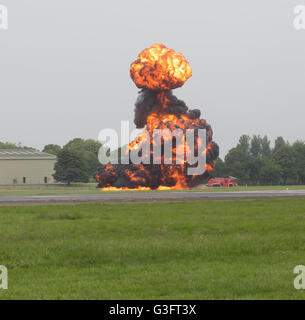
<point>9,145</point>
<point>254,162</point>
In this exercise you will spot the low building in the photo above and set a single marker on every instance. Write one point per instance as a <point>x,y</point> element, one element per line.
<point>23,166</point>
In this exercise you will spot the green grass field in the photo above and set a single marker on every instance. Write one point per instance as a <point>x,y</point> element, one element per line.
<point>200,250</point>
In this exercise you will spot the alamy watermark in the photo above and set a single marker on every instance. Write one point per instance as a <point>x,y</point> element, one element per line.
<point>3,278</point>
<point>3,17</point>
<point>299,20</point>
<point>160,146</point>
<point>299,281</point>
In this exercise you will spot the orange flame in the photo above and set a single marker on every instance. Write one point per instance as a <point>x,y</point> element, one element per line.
<point>176,173</point>
<point>161,188</point>
<point>160,68</point>
<point>171,122</point>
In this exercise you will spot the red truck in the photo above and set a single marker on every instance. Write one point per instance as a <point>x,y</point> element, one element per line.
<point>222,182</point>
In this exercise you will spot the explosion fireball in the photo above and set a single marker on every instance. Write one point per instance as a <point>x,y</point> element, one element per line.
<point>160,68</point>
<point>156,72</point>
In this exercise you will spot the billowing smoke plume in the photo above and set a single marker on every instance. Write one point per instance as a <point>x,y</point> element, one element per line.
<point>149,102</point>
<point>156,71</point>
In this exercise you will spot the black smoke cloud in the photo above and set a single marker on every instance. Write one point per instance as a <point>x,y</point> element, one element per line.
<point>154,175</point>
<point>148,102</point>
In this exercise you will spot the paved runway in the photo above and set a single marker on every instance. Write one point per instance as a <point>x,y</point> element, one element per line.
<point>142,196</point>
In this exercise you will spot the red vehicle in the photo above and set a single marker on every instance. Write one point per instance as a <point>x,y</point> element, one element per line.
<point>222,182</point>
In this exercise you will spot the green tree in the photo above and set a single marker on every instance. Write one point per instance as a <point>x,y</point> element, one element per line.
<point>270,173</point>
<point>278,144</point>
<point>299,148</point>
<point>286,158</point>
<point>220,169</point>
<point>254,162</point>
<point>82,145</point>
<point>253,168</point>
<point>52,149</point>
<point>9,145</point>
<point>256,146</point>
<point>71,167</point>
<point>244,144</point>
<point>89,149</point>
<point>266,149</point>
<point>238,164</point>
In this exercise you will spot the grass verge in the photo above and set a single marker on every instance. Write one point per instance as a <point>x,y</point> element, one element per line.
<point>199,250</point>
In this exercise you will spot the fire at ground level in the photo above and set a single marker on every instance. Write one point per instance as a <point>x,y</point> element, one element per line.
<point>148,177</point>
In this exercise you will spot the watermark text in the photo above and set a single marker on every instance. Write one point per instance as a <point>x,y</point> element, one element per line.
<point>299,20</point>
<point>3,17</point>
<point>158,146</point>
<point>299,281</point>
<point>3,278</point>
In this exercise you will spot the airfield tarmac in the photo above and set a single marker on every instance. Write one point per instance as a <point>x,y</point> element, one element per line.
<point>147,196</point>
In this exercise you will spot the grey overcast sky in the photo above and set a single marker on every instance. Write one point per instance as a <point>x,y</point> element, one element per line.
<point>64,66</point>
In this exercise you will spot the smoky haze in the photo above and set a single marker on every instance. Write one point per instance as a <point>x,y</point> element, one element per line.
<point>65,66</point>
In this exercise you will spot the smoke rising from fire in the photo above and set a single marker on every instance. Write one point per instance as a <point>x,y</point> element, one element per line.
<point>157,102</point>
<point>157,71</point>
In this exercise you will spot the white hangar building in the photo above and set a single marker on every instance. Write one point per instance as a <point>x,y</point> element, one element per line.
<point>23,166</point>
